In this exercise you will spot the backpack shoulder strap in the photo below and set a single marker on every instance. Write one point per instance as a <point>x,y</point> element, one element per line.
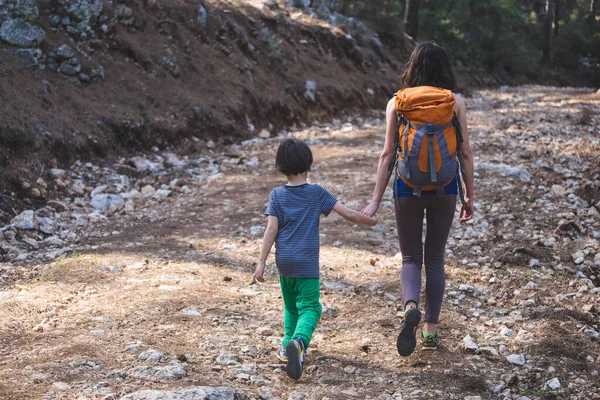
<point>394,159</point>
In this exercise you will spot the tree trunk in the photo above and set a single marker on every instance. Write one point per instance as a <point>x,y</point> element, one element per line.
<point>547,33</point>
<point>411,18</point>
<point>593,8</point>
<point>556,17</point>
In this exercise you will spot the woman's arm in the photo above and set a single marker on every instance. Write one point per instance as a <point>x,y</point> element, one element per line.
<point>467,210</point>
<point>383,176</point>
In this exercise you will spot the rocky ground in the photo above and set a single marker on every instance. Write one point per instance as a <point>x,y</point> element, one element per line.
<point>94,80</point>
<point>135,284</point>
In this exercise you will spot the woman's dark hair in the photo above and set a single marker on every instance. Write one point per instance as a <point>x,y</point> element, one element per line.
<point>429,65</point>
<point>293,157</point>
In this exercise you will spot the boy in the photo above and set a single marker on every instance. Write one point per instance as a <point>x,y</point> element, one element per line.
<point>293,223</point>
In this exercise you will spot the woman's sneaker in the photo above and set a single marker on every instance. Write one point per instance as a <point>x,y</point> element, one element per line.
<point>430,342</point>
<point>296,353</point>
<point>282,354</point>
<point>407,339</point>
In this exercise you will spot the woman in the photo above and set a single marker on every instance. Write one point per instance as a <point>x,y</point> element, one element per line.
<point>429,66</point>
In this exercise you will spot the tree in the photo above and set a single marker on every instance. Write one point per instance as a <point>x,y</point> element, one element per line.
<point>547,27</point>
<point>556,17</point>
<point>411,18</point>
<point>593,8</point>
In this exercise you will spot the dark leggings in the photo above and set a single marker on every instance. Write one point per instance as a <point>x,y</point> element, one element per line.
<point>409,220</point>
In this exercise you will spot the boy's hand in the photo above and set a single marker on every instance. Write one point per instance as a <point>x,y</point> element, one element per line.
<point>353,215</point>
<point>260,271</point>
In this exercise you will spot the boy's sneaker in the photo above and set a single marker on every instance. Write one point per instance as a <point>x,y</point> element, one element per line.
<point>296,352</point>
<point>407,339</point>
<point>282,354</point>
<point>430,342</point>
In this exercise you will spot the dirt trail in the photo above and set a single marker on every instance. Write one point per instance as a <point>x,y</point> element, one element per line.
<point>173,277</point>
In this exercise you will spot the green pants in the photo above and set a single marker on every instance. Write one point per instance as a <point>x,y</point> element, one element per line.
<point>302,309</point>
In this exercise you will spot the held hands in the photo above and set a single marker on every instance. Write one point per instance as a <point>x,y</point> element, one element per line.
<point>260,271</point>
<point>371,209</point>
<point>467,210</point>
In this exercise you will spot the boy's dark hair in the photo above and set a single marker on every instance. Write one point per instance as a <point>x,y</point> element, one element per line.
<point>429,65</point>
<point>293,157</point>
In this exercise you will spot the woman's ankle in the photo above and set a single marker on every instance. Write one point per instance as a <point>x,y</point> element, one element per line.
<point>429,328</point>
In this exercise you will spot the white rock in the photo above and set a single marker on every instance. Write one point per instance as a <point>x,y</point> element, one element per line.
<point>350,369</point>
<point>534,262</point>
<point>134,194</point>
<point>172,372</point>
<point>311,90</point>
<point>592,333</point>
<point>506,332</point>
<point>108,202</point>
<point>61,386</point>
<point>531,286</point>
<point>516,359</point>
<point>227,358</point>
<point>148,191</point>
<point>134,347</point>
<point>466,288</point>
<point>553,384</point>
<point>192,312</point>
<point>489,350</point>
<point>144,165</point>
<point>46,225</point>
<point>265,134</point>
<point>58,173</point>
<point>152,356</point>
<point>558,190</point>
<point>162,193</point>
<point>172,160</point>
<point>25,220</point>
<point>98,190</point>
<point>470,344</point>
<point>257,230</point>
<point>505,170</point>
<point>298,396</point>
<point>578,257</point>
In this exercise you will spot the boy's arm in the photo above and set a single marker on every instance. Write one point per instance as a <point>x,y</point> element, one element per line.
<point>267,244</point>
<point>353,215</point>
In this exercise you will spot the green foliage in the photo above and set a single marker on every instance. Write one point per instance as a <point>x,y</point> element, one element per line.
<point>383,16</point>
<point>503,37</point>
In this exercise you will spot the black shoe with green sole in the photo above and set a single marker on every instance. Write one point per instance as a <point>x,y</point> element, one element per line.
<point>407,339</point>
<point>430,342</point>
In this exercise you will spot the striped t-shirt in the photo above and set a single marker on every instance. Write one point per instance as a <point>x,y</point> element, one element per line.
<point>298,209</point>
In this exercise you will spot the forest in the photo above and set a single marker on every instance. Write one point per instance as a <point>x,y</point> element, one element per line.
<point>547,41</point>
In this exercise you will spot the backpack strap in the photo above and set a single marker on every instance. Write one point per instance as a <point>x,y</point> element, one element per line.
<point>460,170</point>
<point>407,125</point>
<point>394,159</point>
<point>431,157</point>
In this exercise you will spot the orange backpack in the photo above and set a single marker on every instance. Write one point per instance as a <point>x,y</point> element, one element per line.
<point>427,140</point>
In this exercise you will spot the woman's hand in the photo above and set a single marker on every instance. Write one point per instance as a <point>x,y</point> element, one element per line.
<point>371,209</point>
<point>466,210</point>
